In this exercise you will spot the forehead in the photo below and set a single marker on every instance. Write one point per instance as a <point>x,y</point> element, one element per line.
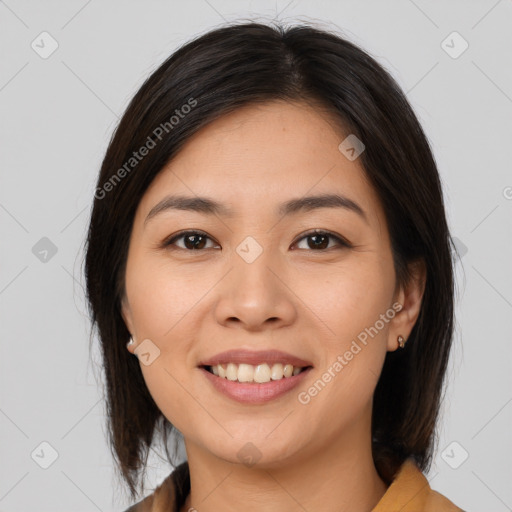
<point>262,154</point>
<point>261,134</point>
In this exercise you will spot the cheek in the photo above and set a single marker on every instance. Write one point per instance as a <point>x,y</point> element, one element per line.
<point>350,298</point>
<point>164,303</point>
<point>160,296</point>
<point>162,382</point>
<point>354,306</point>
<point>345,382</point>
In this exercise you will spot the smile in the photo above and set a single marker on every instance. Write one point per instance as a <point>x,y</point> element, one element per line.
<point>260,373</point>
<point>254,377</point>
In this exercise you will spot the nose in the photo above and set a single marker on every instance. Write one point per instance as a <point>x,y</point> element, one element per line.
<point>255,296</point>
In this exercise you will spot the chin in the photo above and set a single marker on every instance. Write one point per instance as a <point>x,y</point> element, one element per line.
<point>256,453</point>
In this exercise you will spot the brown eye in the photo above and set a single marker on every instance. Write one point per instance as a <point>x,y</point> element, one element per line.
<point>319,240</point>
<point>198,240</point>
<point>192,240</point>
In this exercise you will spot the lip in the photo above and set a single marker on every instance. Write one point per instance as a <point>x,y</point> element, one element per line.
<point>241,356</point>
<point>253,392</point>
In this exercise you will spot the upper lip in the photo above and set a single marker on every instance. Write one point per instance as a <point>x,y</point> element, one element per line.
<point>240,356</point>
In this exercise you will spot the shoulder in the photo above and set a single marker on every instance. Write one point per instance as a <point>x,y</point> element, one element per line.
<point>437,502</point>
<point>144,505</point>
<point>410,491</point>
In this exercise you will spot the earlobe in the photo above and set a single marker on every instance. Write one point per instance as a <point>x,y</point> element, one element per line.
<point>410,298</point>
<point>131,345</point>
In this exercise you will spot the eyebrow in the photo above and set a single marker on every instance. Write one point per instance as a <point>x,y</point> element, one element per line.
<point>209,206</point>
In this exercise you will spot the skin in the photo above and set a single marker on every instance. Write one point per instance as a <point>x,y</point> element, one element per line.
<point>294,297</point>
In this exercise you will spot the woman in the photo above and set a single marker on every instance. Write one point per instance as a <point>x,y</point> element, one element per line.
<point>269,239</point>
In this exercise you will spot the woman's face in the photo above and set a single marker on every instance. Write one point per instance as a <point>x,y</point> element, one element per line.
<point>252,277</point>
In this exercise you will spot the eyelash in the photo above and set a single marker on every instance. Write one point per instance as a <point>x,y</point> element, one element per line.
<point>171,241</point>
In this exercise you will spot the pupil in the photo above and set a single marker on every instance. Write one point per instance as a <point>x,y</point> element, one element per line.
<point>194,245</point>
<point>317,245</point>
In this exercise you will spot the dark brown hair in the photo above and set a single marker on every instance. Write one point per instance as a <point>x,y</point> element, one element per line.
<point>216,73</point>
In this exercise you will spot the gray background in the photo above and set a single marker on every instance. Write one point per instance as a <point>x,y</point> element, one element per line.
<point>57,115</point>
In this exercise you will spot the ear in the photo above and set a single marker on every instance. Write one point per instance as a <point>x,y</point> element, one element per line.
<point>126,313</point>
<point>410,297</point>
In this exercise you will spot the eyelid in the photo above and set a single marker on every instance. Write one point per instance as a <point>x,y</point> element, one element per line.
<point>343,242</point>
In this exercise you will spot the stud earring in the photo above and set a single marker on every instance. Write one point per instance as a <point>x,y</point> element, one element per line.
<point>130,343</point>
<point>401,341</point>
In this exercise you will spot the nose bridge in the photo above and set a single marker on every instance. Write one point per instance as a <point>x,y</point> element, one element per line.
<point>251,273</point>
<point>253,291</point>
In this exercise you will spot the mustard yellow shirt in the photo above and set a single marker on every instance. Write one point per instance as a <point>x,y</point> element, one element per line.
<point>409,492</point>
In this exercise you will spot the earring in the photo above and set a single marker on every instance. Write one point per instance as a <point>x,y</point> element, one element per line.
<point>130,343</point>
<point>401,341</point>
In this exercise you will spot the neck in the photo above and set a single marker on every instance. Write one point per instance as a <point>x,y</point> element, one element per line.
<point>340,478</point>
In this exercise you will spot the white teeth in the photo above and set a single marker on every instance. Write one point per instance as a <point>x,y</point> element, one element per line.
<point>245,373</point>
<point>261,373</point>
<point>277,371</point>
<point>232,372</point>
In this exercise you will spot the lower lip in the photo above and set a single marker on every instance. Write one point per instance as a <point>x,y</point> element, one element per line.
<point>253,392</point>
